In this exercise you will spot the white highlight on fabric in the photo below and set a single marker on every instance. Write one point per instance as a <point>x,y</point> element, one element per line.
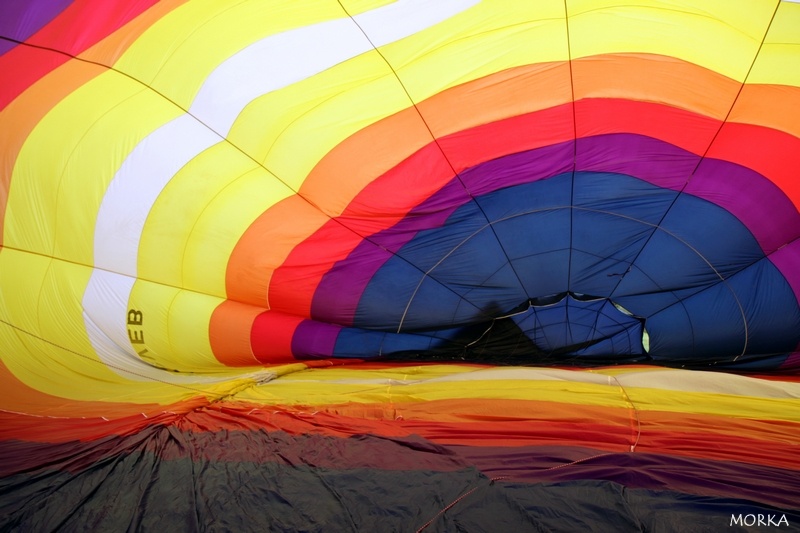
<point>286,58</point>
<point>652,378</point>
<point>265,66</point>
<point>136,186</point>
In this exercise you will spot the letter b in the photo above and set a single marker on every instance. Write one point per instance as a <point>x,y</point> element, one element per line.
<point>134,317</point>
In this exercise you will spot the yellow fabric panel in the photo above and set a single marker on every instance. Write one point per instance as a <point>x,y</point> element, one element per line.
<point>42,297</point>
<point>265,124</point>
<point>177,53</point>
<point>402,373</point>
<point>495,35</point>
<point>23,276</point>
<point>778,60</point>
<point>188,319</point>
<point>721,35</point>
<point>221,225</point>
<point>76,130</point>
<point>175,328</point>
<point>319,113</point>
<point>192,240</point>
<point>153,301</point>
<point>313,393</point>
<point>732,405</point>
<point>108,50</point>
<point>338,385</point>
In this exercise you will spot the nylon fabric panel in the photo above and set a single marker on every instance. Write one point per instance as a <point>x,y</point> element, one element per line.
<point>715,36</point>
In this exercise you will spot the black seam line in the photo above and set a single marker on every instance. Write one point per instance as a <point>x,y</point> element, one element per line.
<point>592,329</point>
<point>538,323</point>
<point>223,377</point>
<point>490,276</point>
<point>574,158</point>
<point>56,227</point>
<point>244,153</point>
<point>389,74</point>
<point>699,162</point>
<point>444,156</point>
<point>678,300</point>
<point>455,313</point>
<point>656,227</point>
<point>107,365</point>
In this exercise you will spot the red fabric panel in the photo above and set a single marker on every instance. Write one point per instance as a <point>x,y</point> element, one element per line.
<point>271,337</point>
<point>81,25</point>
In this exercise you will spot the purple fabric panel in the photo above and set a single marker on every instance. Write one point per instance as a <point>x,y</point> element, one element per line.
<point>431,213</point>
<point>315,339</point>
<point>342,286</point>
<point>516,169</point>
<point>787,259</point>
<point>648,159</point>
<point>5,46</point>
<point>19,19</point>
<point>761,206</point>
<point>538,464</point>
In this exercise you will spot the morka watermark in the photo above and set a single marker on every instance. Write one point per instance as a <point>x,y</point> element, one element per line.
<point>750,520</point>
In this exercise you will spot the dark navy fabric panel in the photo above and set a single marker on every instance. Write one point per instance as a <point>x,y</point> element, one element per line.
<point>534,233</point>
<point>534,197</point>
<point>538,274</point>
<point>355,342</point>
<point>713,233</point>
<point>660,254</point>
<point>757,297</point>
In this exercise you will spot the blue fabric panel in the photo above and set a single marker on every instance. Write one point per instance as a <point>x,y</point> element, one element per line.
<point>750,312</point>
<point>659,254</point>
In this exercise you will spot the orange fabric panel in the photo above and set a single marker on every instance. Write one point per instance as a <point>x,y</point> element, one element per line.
<point>772,106</point>
<point>229,333</point>
<point>653,78</point>
<point>20,398</point>
<point>265,245</point>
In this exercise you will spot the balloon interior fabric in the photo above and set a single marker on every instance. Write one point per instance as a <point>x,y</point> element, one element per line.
<point>373,265</point>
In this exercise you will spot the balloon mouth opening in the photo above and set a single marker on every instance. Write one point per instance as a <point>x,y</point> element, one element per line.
<point>562,328</point>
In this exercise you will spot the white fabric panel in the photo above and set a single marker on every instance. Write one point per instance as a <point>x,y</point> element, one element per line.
<point>407,17</point>
<point>289,57</point>
<point>137,184</point>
